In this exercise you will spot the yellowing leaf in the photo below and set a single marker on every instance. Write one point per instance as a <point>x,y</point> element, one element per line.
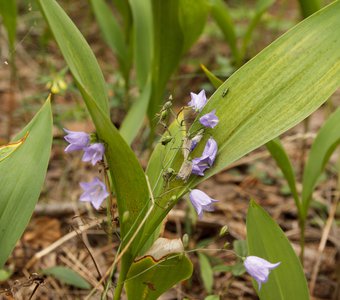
<point>7,150</point>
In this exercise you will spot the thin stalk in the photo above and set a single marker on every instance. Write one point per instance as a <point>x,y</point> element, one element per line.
<point>302,225</point>
<point>109,206</point>
<point>121,280</point>
<point>126,99</point>
<point>303,148</point>
<point>12,99</point>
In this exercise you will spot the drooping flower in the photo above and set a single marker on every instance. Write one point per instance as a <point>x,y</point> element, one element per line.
<point>209,120</point>
<point>201,202</point>
<point>259,268</point>
<point>200,164</point>
<point>210,151</point>
<point>94,192</point>
<point>198,101</point>
<point>77,140</point>
<point>94,153</point>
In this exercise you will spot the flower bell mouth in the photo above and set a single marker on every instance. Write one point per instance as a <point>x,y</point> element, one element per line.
<point>207,159</point>
<point>94,192</point>
<point>209,120</point>
<point>259,268</point>
<point>77,140</point>
<point>198,101</point>
<point>94,153</point>
<point>201,202</point>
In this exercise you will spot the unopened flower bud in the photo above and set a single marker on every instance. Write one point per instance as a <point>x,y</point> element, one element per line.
<point>224,230</point>
<point>185,240</point>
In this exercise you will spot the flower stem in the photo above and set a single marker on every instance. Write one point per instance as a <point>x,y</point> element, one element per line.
<point>302,224</point>
<point>125,266</point>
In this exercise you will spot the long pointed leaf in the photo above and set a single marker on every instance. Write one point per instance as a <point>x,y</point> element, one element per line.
<point>76,52</point>
<point>22,176</point>
<point>279,154</point>
<point>261,7</point>
<point>112,33</point>
<point>127,174</point>
<point>8,11</point>
<point>220,12</point>
<point>177,25</point>
<point>324,145</point>
<point>266,239</point>
<point>214,80</point>
<point>143,39</point>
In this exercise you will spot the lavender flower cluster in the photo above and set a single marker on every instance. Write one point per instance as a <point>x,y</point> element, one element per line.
<point>95,191</point>
<point>257,267</point>
<point>200,200</point>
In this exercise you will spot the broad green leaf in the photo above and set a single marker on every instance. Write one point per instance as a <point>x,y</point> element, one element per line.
<point>309,7</point>
<point>271,93</point>
<point>274,91</point>
<point>220,12</point>
<point>127,175</point>
<point>266,240</point>
<point>112,33</point>
<point>148,278</point>
<point>22,176</point>
<point>325,143</point>
<point>7,150</point>
<point>261,7</point>
<point>206,272</point>
<point>279,154</point>
<point>76,52</point>
<point>8,11</point>
<point>214,80</point>
<point>67,276</point>
<point>143,39</point>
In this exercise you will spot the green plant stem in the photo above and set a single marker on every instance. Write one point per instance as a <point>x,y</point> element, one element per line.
<point>109,206</point>
<point>303,148</point>
<point>125,266</point>
<point>302,225</point>
<point>12,98</point>
<point>126,93</point>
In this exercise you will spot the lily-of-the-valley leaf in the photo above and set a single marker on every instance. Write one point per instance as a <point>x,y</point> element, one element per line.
<point>266,240</point>
<point>23,173</point>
